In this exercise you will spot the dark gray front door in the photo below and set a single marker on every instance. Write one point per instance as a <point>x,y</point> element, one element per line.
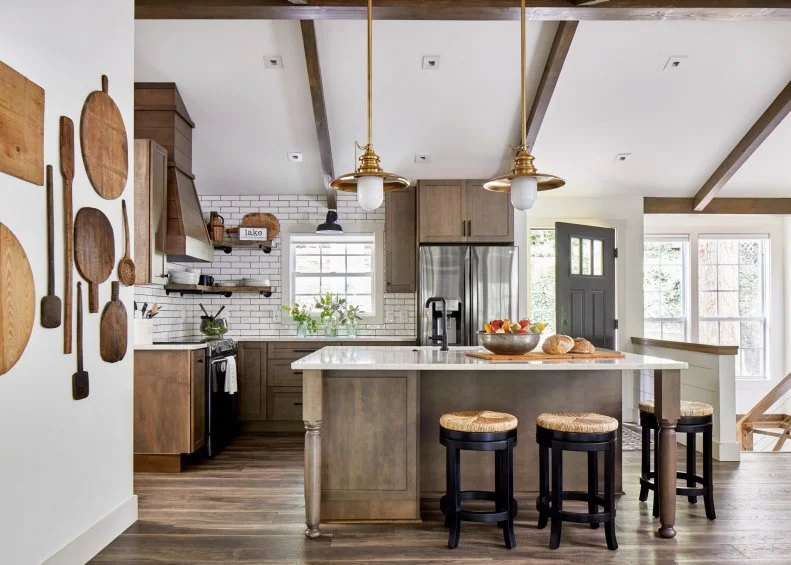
<point>585,283</point>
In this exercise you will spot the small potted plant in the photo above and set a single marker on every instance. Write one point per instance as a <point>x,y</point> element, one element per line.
<point>350,317</point>
<point>330,308</point>
<point>305,322</point>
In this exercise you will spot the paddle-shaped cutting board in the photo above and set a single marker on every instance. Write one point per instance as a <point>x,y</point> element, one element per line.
<point>17,300</point>
<point>113,328</point>
<point>94,251</point>
<point>541,356</point>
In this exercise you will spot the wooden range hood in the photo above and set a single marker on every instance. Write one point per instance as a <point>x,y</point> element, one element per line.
<point>160,114</point>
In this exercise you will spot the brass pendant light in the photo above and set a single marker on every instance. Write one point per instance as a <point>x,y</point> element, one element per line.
<point>523,182</point>
<point>369,181</point>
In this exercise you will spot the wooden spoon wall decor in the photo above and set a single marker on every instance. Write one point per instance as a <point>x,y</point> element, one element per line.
<point>104,144</point>
<point>94,251</point>
<point>126,267</point>
<point>17,300</point>
<point>67,172</point>
<point>113,328</point>
<point>50,304</point>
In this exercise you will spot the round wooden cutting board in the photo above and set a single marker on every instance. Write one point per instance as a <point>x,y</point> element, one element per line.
<point>104,144</point>
<point>17,300</point>
<point>94,250</point>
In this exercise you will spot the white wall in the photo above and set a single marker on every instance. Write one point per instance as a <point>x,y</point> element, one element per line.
<point>66,466</point>
<point>748,392</point>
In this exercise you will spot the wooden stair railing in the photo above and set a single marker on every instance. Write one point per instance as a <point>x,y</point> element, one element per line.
<point>756,419</point>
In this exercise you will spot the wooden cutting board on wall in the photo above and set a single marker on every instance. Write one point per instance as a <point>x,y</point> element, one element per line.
<point>17,300</point>
<point>21,126</point>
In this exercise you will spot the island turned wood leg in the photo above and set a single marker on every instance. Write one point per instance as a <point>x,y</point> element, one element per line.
<point>311,414</point>
<point>667,396</point>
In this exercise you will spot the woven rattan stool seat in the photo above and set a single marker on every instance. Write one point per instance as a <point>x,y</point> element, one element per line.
<point>688,408</point>
<point>577,422</point>
<point>479,421</point>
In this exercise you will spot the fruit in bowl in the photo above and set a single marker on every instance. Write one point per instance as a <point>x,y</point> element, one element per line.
<point>504,337</point>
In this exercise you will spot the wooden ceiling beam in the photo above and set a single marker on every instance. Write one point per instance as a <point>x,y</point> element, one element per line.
<point>555,10</point>
<point>765,125</point>
<point>319,108</point>
<point>773,206</point>
<point>549,79</point>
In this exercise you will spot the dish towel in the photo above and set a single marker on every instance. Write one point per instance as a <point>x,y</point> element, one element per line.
<point>231,385</point>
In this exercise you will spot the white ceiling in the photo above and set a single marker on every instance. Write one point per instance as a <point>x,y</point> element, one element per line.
<point>613,97</point>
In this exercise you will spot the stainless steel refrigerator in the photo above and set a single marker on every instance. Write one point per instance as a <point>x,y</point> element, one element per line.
<point>479,283</point>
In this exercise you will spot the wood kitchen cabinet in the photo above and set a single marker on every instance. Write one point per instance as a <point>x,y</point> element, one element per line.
<point>401,240</point>
<point>251,363</point>
<point>169,407</point>
<point>461,211</point>
<point>150,221</point>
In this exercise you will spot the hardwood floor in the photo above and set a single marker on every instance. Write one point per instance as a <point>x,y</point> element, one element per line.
<point>246,506</point>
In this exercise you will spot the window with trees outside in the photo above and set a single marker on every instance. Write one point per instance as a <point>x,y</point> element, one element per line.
<point>542,277</point>
<point>338,264</point>
<point>665,288</point>
<point>732,298</point>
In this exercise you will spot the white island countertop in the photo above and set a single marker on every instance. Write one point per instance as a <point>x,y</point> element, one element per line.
<point>412,358</point>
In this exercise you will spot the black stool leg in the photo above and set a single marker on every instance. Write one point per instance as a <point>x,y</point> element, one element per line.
<point>691,456</point>
<point>609,496</point>
<point>593,485</point>
<point>445,500</point>
<point>656,474</point>
<point>645,466</point>
<point>499,496</point>
<point>507,482</point>
<point>453,502</point>
<point>557,496</point>
<point>543,486</point>
<point>708,478</point>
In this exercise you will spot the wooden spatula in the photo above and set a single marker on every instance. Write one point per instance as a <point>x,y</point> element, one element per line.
<point>50,304</point>
<point>126,267</point>
<point>67,172</point>
<point>79,380</point>
<point>113,328</point>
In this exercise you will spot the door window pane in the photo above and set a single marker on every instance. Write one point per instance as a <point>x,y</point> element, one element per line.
<point>575,256</point>
<point>586,256</point>
<point>598,260</point>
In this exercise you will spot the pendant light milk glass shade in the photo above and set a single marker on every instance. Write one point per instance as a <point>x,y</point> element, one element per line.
<point>330,225</point>
<point>523,181</point>
<point>369,181</point>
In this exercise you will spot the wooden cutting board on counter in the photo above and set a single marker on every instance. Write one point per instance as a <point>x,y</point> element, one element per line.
<point>541,356</point>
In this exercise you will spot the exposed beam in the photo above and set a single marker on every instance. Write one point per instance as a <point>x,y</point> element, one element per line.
<point>319,108</point>
<point>555,10</point>
<point>549,80</point>
<point>765,125</point>
<point>775,206</point>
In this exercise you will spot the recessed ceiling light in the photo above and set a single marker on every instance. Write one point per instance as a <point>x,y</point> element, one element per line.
<point>422,158</point>
<point>295,157</point>
<point>273,61</point>
<point>621,157</point>
<point>675,62</point>
<point>430,62</point>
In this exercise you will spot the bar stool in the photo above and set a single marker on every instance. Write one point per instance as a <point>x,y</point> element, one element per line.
<point>696,418</point>
<point>574,431</point>
<point>479,430</point>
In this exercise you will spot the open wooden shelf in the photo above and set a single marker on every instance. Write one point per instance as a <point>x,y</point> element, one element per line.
<point>226,291</point>
<point>229,245</point>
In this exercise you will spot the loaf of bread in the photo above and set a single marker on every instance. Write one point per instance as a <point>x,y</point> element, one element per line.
<point>582,345</point>
<point>557,344</point>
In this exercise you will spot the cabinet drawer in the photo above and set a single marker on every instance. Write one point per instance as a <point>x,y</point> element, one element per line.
<point>285,404</point>
<point>280,373</point>
<point>293,350</point>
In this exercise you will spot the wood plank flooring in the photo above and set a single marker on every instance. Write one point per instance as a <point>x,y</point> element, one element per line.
<point>246,506</point>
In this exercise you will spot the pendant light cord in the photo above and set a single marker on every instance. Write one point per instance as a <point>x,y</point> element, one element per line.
<point>370,72</point>
<point>524,102</point>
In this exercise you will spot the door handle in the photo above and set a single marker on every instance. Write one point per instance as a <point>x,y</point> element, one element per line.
<point>297,372</point>
<point>463,228</point>
<point>297,403</point>
<point>303,350</point>
<point>469,227</point>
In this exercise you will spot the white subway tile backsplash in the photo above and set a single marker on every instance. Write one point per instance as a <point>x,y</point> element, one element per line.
<point>253,316</point>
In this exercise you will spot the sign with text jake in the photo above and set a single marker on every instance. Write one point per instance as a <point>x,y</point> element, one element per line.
<point>254,234</point>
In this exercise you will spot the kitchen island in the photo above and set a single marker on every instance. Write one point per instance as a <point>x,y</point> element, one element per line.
<point>371,417</point>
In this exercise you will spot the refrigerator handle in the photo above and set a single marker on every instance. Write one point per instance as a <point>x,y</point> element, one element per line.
<point>473,318</point>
